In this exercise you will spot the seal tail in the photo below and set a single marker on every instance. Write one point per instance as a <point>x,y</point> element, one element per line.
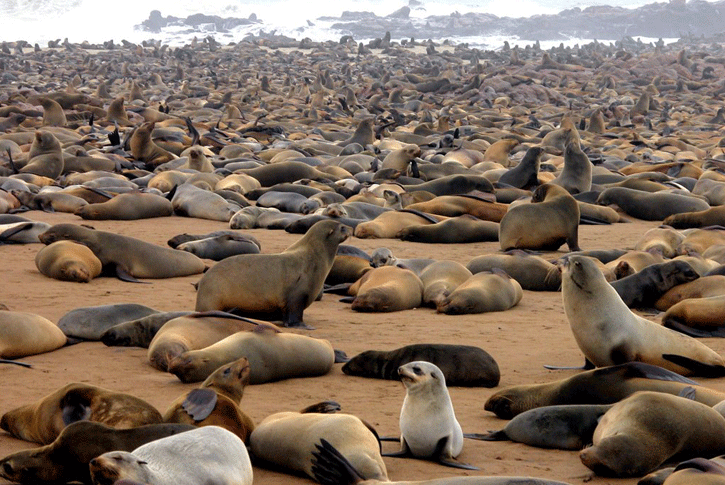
<point>330,467</point>
<point>698,368</point>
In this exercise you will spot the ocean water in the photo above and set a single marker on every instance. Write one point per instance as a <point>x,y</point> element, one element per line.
<point>39,21</point>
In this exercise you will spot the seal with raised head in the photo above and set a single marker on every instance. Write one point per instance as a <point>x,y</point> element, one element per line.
<point>281,284</point>
<point>643,431</point>
<point>461,365</point>
<point>45,157</point>
<point>608,333</point>
<point>525,175</point>
<point>130,258</point>
<point>42,421</point>
<point>576,177</point>
<point>428,425</point>
<point>210,455</point>
<point>23,334</point>
<point>216,401</point>
<point>66,459</point>
<point>68,261</point>
<point>523,226</point>
<point>140,331</point>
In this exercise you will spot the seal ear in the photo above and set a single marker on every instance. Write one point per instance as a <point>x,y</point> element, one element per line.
<point>141,462</point>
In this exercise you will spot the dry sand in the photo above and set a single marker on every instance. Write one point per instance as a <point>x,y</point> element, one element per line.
<point>521,340</point>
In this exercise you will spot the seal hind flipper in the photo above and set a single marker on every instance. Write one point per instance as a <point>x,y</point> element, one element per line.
<point>124,275</point>
<point>74,408</point>
<point>693,331</point>
<point>688,393</point>
<point>587,366</point>
<point>441,456</point>
<point>14,362</point>
<point>200,403</point>
<point>330,467</point>
<point>341,357</point>
<point>324,407</point>
<point>699,368</point>
<point>648,371</point>
<point>593,221</point>
<point>499,435</point>
<point>15,230</point>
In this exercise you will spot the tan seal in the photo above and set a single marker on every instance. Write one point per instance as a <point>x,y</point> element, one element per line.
<point>483,292</point>
<point>45,157</point>
<point>281,284</point>
<point>128,206</point>
<point>387,289</point>
<point>68,261</point>
<point>23,334</point>
<point>42,421</point>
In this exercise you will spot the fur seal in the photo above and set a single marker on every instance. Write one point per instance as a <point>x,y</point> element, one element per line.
<point>697,317</point>
<point>599,386</point>
<point>428,425</point>
<point>650,206</point>
<point>131,258</point>
<point>45,157</point>
<point>42,421</point>
<point>68,261</point>
<point>458,205</point>
<point>210,455</point>
<point>483,292</point>
<point>461,365</point>
<point>714,216</point>
<point>646,287</point>
<point>608,333</point>
<point>456,230</point>
<point>284,283</point>
<point>390,224</point>
<point>66,459</point>
<point>23,334</point>
<point>439,280</point>
<point>387,289</point>
<point>287,440</point>
<point>643,431</point>
<point>216,401</point>
<point>525,175</point>
<point>139,332</point>
<point>144,149</point>
<point>272,356</point>
<point>190,201</point>
<point>532,272</point>
<point>703,287</point>
<point>127,207</point>
<point>663,238</point>
<point>89,323</point>
<point>522,227</point>
<point>221,247</point>
<point>576,177</point>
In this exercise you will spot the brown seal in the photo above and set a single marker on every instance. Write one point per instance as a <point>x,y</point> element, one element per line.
<point>277,284</point>
<point>42,421</point>
<point>129,257</point>
<point>23,334</point>
<point>439,280</point>
<point>45,157</point>
<point>66,459</point>
<point>128,206</point>
<point>703,287</point>
<point>533,273</point>
<point>456,230</point>
<point>599,386</point>
<point>458,205</point>
<point>68,261</point>
<point>390,224</point>
<point>216,401</point>
<point>272,356</point>
<point>697,316</point>
<point>650,206</point>
<point>643,431</point>
<point>53,114</point>
<point>663,239</point>
<point>483,292</point>
<point>550,220</point>
<point>387,289</point>
<point>144,149</point>
<point>715,216</point>
<point>608,333</point>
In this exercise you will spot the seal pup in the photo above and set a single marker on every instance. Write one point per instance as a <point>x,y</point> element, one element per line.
<point>428,425</point>
<point>131,258</point>
<point>284,283</point>
<point>42,421</point>
<point>288,439</point>
<point>523,226</point>
<point>23,334</point>
<point>216,401</point>
<point>220,247</point>
<point>68,261</point>
<point>210,455</point>
<point>439,280</point>
<point>643,431</point>
<point>66,459</point>
<point>608,333</point>
<point>461,365</point>
<point>646,287</point>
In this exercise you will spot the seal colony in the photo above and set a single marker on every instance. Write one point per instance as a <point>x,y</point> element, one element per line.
<point>394,140</point>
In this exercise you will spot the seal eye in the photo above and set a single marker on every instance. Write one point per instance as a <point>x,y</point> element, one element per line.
<point>227,371</point>
<point>417,371</point>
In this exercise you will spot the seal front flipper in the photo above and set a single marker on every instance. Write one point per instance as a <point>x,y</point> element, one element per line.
<point>587,366</point>
<point>124,275</point>
<point>22,364</point>
<point>341,357</point>
<point>441,456</point>
<point>499,435</point>
<point>330,467</point>
<point>699,368</point>
<point>199,403</point>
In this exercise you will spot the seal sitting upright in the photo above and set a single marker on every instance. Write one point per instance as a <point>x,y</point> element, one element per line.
<point>274,284</point>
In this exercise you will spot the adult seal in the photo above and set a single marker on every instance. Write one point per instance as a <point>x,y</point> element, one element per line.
<point>66,459</point>
<point>89,323</point>
<point>461,365</point>
<point>483,292</point>
<point>650,206</point>
<point>130,258</point>
<point>127,207</point>
<point>216,401</point>
<point>523,226</point>
<point>209,455</point>
<point>387,289</point>
<point>643,431</point>
<point>42,421</point>
<point>68,261</point>
<point>23,334</point>
<point>608,333</point>
<point>274,284</point>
